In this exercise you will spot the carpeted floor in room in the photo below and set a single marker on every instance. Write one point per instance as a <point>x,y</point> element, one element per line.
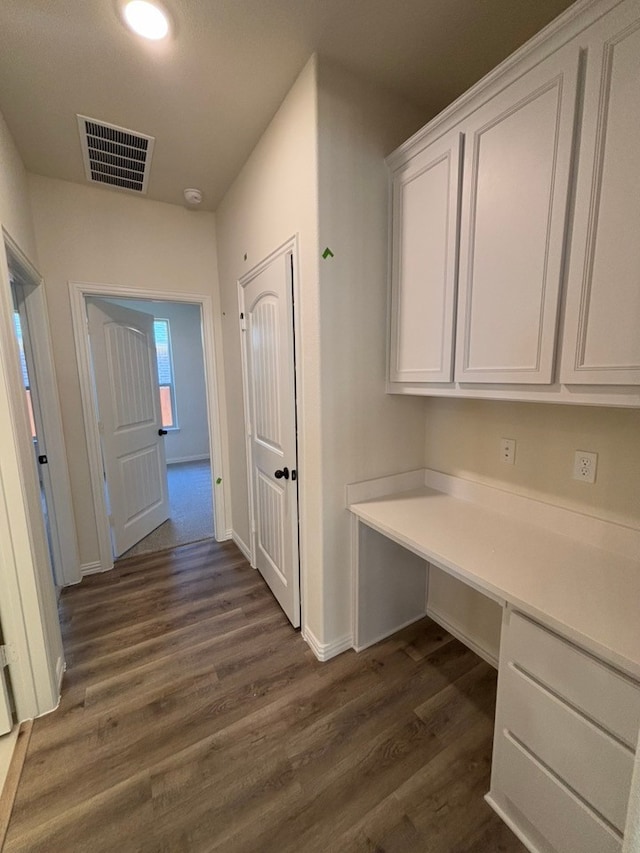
<point>191,503</point>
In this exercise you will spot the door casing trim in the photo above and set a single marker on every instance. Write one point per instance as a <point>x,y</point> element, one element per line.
<point>78,291</point>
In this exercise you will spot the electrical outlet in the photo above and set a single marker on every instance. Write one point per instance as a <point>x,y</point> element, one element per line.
<point>585,464</point>
<point>508,450</point>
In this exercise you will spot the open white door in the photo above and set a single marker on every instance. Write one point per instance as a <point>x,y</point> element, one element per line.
<point>266,306</point>
<point>126,379</point>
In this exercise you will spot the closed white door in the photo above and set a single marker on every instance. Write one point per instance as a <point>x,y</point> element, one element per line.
<point>424,274</point>
<point>126,379</point>
<point>514,207</point>
<point>602,339</point>
<point>266,306</point>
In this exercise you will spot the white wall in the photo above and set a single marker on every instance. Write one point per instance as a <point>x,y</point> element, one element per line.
<point>365,432</point>
<point>273,198</point>
<point>463,439</point>
<point>191,440</point>
<point>96,235</point>
<point>27,599</point>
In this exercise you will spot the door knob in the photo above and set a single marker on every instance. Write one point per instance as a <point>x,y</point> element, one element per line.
<point>280,473</point>
<point>162,432</point>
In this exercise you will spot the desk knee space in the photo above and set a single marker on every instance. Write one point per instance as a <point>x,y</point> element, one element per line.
<point>390,586</point>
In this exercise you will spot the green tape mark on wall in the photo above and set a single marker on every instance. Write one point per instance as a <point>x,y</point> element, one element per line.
<point>218,481</point>
<point>327,253</point>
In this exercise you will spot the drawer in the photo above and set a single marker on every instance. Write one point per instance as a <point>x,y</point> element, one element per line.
<point>556,813</point>
<point>592,763</point>
<point>603,694</point>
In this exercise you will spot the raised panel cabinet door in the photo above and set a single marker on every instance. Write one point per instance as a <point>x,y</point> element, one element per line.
<point>517,163</point>
<point>602,325</point>
<point>424,252</point>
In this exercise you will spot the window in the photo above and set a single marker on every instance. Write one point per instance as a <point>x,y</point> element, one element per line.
<point>25,375</point>
<point>162,335</point>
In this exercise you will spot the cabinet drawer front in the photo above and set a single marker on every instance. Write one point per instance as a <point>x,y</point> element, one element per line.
<point>593,764</point>
<point>601,693</point>
<point>515,191</point>
<point>424,252</point>
<point>557,814</point>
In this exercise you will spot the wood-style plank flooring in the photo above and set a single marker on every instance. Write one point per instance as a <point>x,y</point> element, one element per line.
<point>194,718</point>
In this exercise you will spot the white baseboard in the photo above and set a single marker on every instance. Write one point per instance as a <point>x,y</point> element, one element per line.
<point>326,651</point>
<point>196,458</point>
<point>93,568</point>
<point>7,747</point>
<point>60,670</point>
<point>242,545</point>
<point>471,642</point>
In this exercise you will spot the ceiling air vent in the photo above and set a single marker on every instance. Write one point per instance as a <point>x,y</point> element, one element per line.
<point>114,155</point>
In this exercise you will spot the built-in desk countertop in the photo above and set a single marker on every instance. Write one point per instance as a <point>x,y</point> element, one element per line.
<point>578,575</point>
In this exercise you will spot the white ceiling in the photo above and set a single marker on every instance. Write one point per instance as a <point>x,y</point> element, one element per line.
<point>208,94</point>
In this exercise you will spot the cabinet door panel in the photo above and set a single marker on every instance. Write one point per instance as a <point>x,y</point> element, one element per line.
<point>425,241</point>
<point>602,341</point>
<point>515,189</point>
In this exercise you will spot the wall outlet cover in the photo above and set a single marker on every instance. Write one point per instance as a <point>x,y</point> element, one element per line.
<point>585,463</point>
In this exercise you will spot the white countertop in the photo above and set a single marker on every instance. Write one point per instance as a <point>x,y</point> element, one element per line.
<point>586,593</point>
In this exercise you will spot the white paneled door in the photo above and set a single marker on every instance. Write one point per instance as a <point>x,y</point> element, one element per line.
<point>266,308</point>
<point>126,380</point>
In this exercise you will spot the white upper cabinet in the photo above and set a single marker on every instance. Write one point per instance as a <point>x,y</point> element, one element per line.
<point>602,326</point>
<point>423,277</point>
<point>517,167</point>
<point>515,270</point>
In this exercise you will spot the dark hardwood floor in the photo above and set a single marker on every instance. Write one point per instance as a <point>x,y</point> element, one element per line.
<point>194,718</point>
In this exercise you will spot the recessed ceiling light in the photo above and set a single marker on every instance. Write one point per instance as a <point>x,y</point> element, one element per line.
<point>146,19</point>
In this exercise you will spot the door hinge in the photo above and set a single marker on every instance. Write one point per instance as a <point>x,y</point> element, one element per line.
<point>243,322</point>
<point>7,655</point>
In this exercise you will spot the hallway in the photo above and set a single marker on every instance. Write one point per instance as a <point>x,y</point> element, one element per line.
<point>191,507</point>
<point>194,718</point>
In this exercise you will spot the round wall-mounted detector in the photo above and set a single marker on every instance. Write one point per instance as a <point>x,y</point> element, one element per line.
<point>146,19</point>
<point>193,196</point>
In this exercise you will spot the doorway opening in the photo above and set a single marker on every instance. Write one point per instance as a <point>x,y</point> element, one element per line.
<point>184,418</point>
<point>30,328</point>
<point>167,480</point>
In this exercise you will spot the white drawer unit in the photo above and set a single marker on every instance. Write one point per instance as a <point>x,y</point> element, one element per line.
<point>587,758</point>
<point>566,729</point>
<point>548,816</point>
<point>603,694</point>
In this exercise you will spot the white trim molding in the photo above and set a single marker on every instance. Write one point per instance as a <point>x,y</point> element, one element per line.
<point>326,651</point>
<point>78,291</point>
<point>51,442</point>
<point>242,545</point>
<point>94,568</point>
